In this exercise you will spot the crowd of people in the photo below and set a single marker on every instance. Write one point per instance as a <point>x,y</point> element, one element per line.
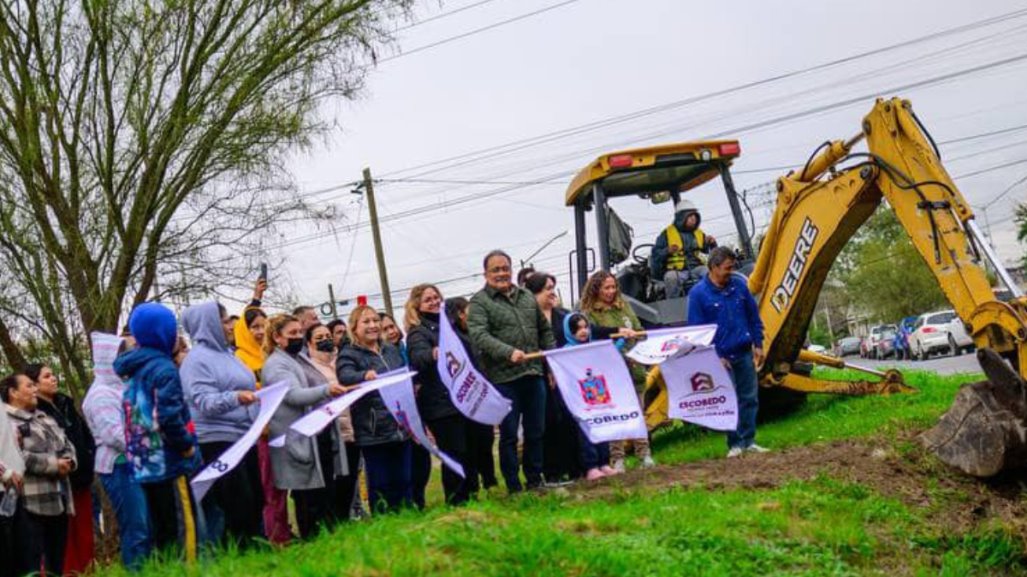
<point>161,406</point>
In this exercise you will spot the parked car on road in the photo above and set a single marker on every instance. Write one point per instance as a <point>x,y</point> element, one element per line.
<point>815,348</point>
<point>938,332</point>
<point>847,346</point>
<point>885,342</point>
<point>872,347</point>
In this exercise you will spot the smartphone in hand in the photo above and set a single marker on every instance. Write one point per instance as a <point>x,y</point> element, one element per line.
<point>263,272</point>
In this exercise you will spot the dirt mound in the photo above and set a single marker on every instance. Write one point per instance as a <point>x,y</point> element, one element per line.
<point>954,500</point>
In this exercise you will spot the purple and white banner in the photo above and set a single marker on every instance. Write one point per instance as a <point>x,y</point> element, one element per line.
<point>270,398</point>
<point>315,421</point>
<point>403,405</point>
<point>469,390</point>
<point>700,390</point>
<point>662,344</point>
<point>596,386</point>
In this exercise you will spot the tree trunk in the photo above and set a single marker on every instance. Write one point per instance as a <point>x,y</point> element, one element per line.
<point>12,352</point>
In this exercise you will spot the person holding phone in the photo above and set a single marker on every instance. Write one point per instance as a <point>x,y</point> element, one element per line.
<point>46,497</point>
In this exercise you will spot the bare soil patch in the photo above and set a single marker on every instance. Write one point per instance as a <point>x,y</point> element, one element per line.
<point>953,500</point>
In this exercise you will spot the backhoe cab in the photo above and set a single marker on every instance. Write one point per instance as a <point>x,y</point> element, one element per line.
<point>661,175</point>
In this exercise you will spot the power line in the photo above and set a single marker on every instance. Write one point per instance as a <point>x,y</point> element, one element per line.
<point>477,31</point>
<point>754,126</point>
<point>991,169</point>
<point>983,135</point>
<point>352,246</point>
<point>445,181</point>
<point>612,120</point>
<point>606,146</point>
<point>1008,189</point>
<point>762,124</point>
<point>444,15</point>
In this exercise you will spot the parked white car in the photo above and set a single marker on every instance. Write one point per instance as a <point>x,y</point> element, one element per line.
<point>937,332</point>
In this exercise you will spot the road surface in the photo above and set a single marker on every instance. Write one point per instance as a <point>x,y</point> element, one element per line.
<point>942,365</point>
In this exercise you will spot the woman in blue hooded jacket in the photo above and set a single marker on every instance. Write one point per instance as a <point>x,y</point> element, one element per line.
<point>220,391</point>
<point>595,457</point>
<point>160,443</point>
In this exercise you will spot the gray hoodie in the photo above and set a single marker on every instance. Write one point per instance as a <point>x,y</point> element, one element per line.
<point>212,377</point>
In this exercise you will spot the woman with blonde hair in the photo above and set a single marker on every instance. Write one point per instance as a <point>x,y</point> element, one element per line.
<point>609,314</point>
<point>449,427</point>
<point>382,441</point>
<point>297,466</point>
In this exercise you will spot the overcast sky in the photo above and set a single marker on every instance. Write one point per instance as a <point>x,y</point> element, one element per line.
<point>592,60</point>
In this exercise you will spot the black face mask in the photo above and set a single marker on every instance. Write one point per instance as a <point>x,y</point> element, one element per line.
<point>294,347</point>
<point>325,346</point>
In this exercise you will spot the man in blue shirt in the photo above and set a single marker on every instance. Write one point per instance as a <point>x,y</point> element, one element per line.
<point>723,298</point>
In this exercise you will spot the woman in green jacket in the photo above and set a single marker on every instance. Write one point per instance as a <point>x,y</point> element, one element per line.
<point>609,314</point>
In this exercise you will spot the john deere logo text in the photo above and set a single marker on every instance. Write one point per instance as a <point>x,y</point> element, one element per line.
<point>800,256</point>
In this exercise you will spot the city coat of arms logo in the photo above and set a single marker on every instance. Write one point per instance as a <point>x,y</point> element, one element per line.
<point>594,389</point>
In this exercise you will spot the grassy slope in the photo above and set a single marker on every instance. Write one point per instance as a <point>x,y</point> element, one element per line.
<point>828,418</point>
<point>821,527</point>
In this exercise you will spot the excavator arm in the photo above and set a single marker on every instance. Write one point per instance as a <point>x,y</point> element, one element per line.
<point>820,207</point>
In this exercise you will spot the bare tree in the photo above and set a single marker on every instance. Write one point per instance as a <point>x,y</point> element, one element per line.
<point>145,140</point>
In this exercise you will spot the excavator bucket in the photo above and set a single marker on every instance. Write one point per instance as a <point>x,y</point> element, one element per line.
<point>985,430</point>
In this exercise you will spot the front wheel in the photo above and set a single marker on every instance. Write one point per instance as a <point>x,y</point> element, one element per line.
<point>953,348</point>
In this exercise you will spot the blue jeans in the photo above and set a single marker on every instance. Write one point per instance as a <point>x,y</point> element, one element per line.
<point>389,483</point>
<point>743,374</point>
<point>593,455</point>
<point>129,502</point>
<point>528,396</point>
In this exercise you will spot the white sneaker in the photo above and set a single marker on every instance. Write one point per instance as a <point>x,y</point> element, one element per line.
<point>735,452</point>
<point>754,448</point>
<point>618,466</point>
<point>648,462</point>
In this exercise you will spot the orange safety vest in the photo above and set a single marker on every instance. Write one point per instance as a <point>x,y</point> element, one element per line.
<point>677,261</point>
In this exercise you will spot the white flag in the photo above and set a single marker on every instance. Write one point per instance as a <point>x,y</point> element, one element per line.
<point>596,386</point>
<point>469,390</point>
<point>270,398</point>
<point>700,391</point>
<point>661,344</point>
<point>403,405</point>
<point>315,421</point>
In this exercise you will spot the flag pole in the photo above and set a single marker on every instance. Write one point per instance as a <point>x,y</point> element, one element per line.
<point>540,354</point>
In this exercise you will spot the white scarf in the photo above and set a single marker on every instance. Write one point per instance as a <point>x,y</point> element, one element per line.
<point>10,455</point>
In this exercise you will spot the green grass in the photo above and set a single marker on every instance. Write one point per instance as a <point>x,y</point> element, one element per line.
<point>826,418</point>
<point>818,527</point>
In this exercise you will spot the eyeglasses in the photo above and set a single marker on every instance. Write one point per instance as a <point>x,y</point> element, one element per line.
<point>499,269</point>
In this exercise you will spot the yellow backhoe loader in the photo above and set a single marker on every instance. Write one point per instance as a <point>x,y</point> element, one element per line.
<point>818,209</point>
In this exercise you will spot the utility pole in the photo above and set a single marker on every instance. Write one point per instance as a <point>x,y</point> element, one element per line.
<point>379,252</point>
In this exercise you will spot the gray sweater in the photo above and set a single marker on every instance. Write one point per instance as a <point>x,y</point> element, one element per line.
<point>296,465</point>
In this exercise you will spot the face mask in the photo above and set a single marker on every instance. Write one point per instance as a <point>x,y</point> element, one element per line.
<point>295,346</point>
<point>325,346</point>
